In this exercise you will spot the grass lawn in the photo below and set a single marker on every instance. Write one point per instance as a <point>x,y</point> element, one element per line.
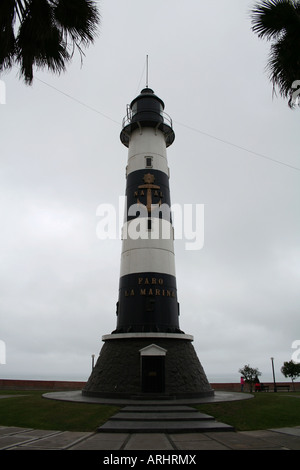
<point>29,409</point>
<point>264,411</point>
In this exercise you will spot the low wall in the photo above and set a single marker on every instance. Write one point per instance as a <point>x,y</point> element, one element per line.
<point>8,384</point>
<point>236,387</point>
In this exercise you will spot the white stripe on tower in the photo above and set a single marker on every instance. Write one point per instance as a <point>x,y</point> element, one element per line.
<point>147,144</point>
<point>152,254</point>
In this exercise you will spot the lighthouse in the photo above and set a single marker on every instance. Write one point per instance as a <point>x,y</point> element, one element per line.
<point>147,295</point>
<point>147,355</point>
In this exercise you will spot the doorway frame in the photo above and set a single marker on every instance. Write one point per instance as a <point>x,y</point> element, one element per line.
<point>152,350</point>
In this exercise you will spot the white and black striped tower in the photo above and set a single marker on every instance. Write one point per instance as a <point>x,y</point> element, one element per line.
<point>148,297</point>
<point>147,354</point>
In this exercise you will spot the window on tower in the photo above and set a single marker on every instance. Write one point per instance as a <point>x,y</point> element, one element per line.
<point>148,162</point>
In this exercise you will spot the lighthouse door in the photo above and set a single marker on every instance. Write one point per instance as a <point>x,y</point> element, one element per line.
<point>153,374</point>
<point>153,369</point>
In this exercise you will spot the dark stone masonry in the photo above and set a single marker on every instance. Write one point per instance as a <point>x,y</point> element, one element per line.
<point>118,369</point>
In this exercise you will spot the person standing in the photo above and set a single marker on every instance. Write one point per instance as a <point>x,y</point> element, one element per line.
<point>242,384</point>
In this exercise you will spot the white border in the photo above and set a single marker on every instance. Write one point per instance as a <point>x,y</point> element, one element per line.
<point>148,335</point>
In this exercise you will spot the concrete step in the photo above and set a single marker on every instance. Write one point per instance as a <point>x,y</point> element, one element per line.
<point>166,419</point>
<point>164,426</point>
<point>156,408</point>
<point>161,415</point>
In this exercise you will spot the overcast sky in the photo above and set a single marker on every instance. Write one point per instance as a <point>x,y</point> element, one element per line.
<point>61,157</point>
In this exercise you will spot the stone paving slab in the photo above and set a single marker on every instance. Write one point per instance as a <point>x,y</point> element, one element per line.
<point>15,438</point>
<point>11,441</point>
<point>7,430</point>
<point>39,433</point>
<point>21,436</point>
<point>291,431</point>
<point>107,441</point>
<point>274,438</point>
<point>238,441</point>
<point>196,441</point>
<point>142,442</point>
<point>57,441</point>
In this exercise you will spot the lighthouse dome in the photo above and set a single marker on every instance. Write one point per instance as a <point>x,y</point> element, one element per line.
<point>147,110</point>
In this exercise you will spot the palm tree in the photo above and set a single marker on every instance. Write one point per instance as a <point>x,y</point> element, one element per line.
<point>279,21</point>
<point>44,33</point>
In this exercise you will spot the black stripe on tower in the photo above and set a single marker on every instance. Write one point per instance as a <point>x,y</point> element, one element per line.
<point>149,188</point>
<point>148,303</point>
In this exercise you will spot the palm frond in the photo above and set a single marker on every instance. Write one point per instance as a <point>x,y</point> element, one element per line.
<point>280,20</point>
<point>47,31</point>
<point>284,65</point>
<point>78,18</point>
<point>7,36</point>
<point>39,41</point>
<point>270,18</point>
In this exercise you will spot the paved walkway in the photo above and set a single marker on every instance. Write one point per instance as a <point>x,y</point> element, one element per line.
<point>118,435</point>
<point>15,438</point>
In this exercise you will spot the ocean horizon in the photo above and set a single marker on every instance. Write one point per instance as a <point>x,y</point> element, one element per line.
<point>212,378</point>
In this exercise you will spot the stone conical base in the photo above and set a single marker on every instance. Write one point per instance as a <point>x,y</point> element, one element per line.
<point>148,365</point>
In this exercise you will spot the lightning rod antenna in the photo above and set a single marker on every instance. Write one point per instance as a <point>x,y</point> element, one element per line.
<point>147,71</point>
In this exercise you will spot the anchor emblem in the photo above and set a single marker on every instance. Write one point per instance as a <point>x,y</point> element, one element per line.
<point>149,186</point>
